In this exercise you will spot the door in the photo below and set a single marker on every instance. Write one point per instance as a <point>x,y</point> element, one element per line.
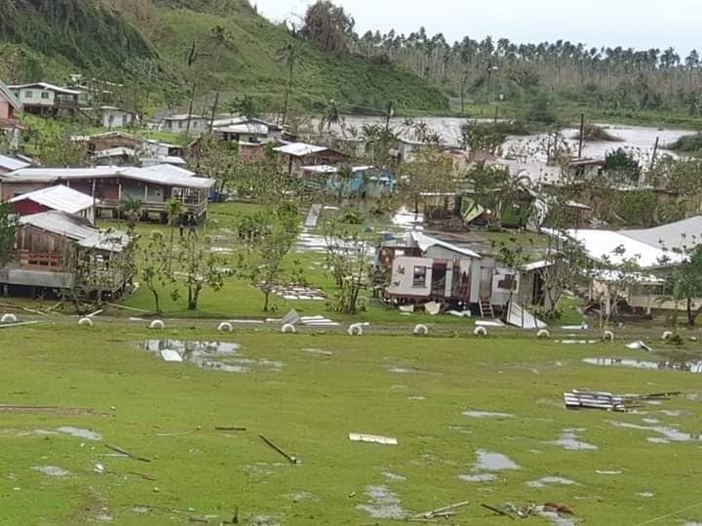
<point>485,283</point>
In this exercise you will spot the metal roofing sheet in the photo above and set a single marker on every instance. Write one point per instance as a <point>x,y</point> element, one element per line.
<point>10,163</point>
<point>59,198</point>
<point>300,149</point>
<point>686,233</point>
<point>424,242</point>
<point>78,229</point>
<point>47,86</point>
<point>11,97</point>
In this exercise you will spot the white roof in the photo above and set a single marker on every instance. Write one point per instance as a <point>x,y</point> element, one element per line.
<point>115,152</point>
<point>182,117</point>
<point>321,169</point>
<point>686,233</point>
<point>47,86</point>
<point>600,245</point>
<point>59,198</point>
<point>164,159</point>
<point>300,149</point>
<point>424,242</point>
<point>50,174</point>
<point>77,229</point>
<point>10,163</point>
<point>250,128</point>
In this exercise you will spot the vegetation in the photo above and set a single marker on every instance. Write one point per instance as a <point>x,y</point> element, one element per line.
<point>7,232</point>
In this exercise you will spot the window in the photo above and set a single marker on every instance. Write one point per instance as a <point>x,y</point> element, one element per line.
<point>29,94</point>
<point>180,124</point>
<point>44,94</point>
<point>419,277</point>
<point>110,120</point>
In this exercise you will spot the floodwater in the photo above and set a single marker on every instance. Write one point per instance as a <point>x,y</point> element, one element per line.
<point>547,481</point>
<point>568,440</point>
<point>663,365</point>
<point>667,433</point>
<point>491,461</point>
<point>51,471</point>
<point>486,414</point>
<point>639,140</point>
<point>382,504</point>
<point>220,356</point>
<point>78,432</point>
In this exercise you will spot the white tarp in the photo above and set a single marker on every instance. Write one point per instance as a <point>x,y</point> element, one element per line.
<point>171,355</point>
<point>520,317</point>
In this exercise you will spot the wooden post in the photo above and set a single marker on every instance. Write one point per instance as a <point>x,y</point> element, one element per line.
<point>582,136</point>
<point>655,153</point>
<point>119,191</point>
<point>146,192</point>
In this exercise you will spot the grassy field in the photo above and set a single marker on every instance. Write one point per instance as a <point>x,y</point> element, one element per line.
<point>414,389</point>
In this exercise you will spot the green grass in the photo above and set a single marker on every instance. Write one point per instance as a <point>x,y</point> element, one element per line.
<point>308,407</point>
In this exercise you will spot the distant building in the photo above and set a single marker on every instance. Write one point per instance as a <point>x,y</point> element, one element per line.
<point>247,130</point>
<point>42,98</point>
<point>113,117</point>
<point>295,155</point>
<point>179,124</point>
<point>10,164</point>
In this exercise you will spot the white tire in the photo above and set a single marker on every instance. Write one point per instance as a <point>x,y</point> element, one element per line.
<point>543,333</point>
<point>8,318</point>
<point>420,330</point>
<point>225,326</point>
<point>157,324</point>
<point>355,329</point>
<point>480,332</point>
<point>608,336</point>
<point>288,328</point>
<point>85,322</point>
<point>667,335</point>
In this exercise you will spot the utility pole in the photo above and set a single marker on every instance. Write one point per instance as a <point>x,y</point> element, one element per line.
<point>655,153</point>
<point>390,112</point>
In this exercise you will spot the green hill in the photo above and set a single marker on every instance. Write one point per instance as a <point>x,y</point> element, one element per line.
<point>235,50</point>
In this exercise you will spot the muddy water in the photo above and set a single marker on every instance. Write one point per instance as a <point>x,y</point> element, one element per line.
<point>382,504</point>
<point>637,139</point>
<point>663,365</point>
<point>220,356</point>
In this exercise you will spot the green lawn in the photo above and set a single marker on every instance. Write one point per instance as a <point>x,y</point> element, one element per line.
<point>308,403</point>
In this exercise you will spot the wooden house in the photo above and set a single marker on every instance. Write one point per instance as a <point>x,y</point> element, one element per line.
<point>153,186</point>
<point>57,251</point>
<point>55,198</point>
<point>186,124</point>
<point>422,269</point>
<point>247,130</point>
<point>113,117</point>
<point>294,156</point>
<point>42,98</point>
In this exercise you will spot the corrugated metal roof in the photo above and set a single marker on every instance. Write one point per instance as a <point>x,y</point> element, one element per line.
<point>59,198</point>
<point>10,163</point>
<point>251,128</point>
<point>47,86</point>
<point>115,152</point>
<point>11,97</point>
<point>686,233</point>
<point>424,242</point>
<point>300,149</point>
<point>78,229</point>
<point>165,174</point>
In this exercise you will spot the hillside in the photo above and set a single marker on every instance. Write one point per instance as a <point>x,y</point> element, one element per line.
<point>237,51</point>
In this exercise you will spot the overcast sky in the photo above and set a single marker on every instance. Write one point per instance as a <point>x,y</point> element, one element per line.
<point>630,23</point>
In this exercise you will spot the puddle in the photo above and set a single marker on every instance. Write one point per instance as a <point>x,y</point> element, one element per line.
<point>558,520</point>
<point>663,365</point>
<point>383,504</point>
<point>568,440</point>
<point>393,477</point>
<point>486,414</point>
<point>646,494</point>
<point>668,433</point>
<point>416,398</point>
<point>221,356</point>
<point>52,471</point>
<point>480,477</point>
<point>78,432</point>
<point>491,461</point>
<point>546,481</point>
<point>676,413</point>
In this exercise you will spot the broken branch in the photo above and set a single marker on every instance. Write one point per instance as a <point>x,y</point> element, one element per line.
<point>291,459</point>
<point>118,449</point>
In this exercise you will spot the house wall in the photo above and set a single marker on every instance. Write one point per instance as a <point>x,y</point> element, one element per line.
<point>36,96</point>
<point>36,241</point>
<point>27,207</point>
<point>402,277</point>
<point>5,110</point>
<point>501,280</point>
<point>116,119</point>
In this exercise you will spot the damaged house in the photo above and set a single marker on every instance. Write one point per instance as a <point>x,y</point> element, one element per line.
<point>422,269</point>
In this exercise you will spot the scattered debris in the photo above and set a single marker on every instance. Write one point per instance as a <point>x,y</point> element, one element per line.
<point>157,324</point>
<point>291,459</point>
<point>407,308</point>
<point>300,293</point>
<point>121,451</point>
<point>420,330</point>
<point>608,472</point>
<point>638,345</point>
<point>596,400</point>
<point>288,328</point>
<point>393,477</point>
<point>229,428</point>
<point>663,365</point>
<point>669,433</point>
<point>522,318</point>
<point>321,352</point>
<point>572,342</point>
<point>489,323</point>
<point>480,477</point>
<point>543,333</point>
<point>18,324</point>
<point>443,512</point>
<point>291,318</point>
<point>170,355</point>
<point>499,511</point>
<point>376,439</point>
<point>432,308</point>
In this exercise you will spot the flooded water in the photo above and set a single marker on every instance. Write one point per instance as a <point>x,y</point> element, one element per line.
<point>491,461</point>
<point>637,139</point>
<point>52,471</point>
<point>666,434</point>
<point>382,504</point>
<point>550,481</point>
<point>78,432</point>
<point>220,356</point>
<point>662,365</point>
<point>568,440</point>
<point>486,414</point>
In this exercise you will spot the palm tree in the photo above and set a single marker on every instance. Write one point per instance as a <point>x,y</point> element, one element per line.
<point>131,208</point>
